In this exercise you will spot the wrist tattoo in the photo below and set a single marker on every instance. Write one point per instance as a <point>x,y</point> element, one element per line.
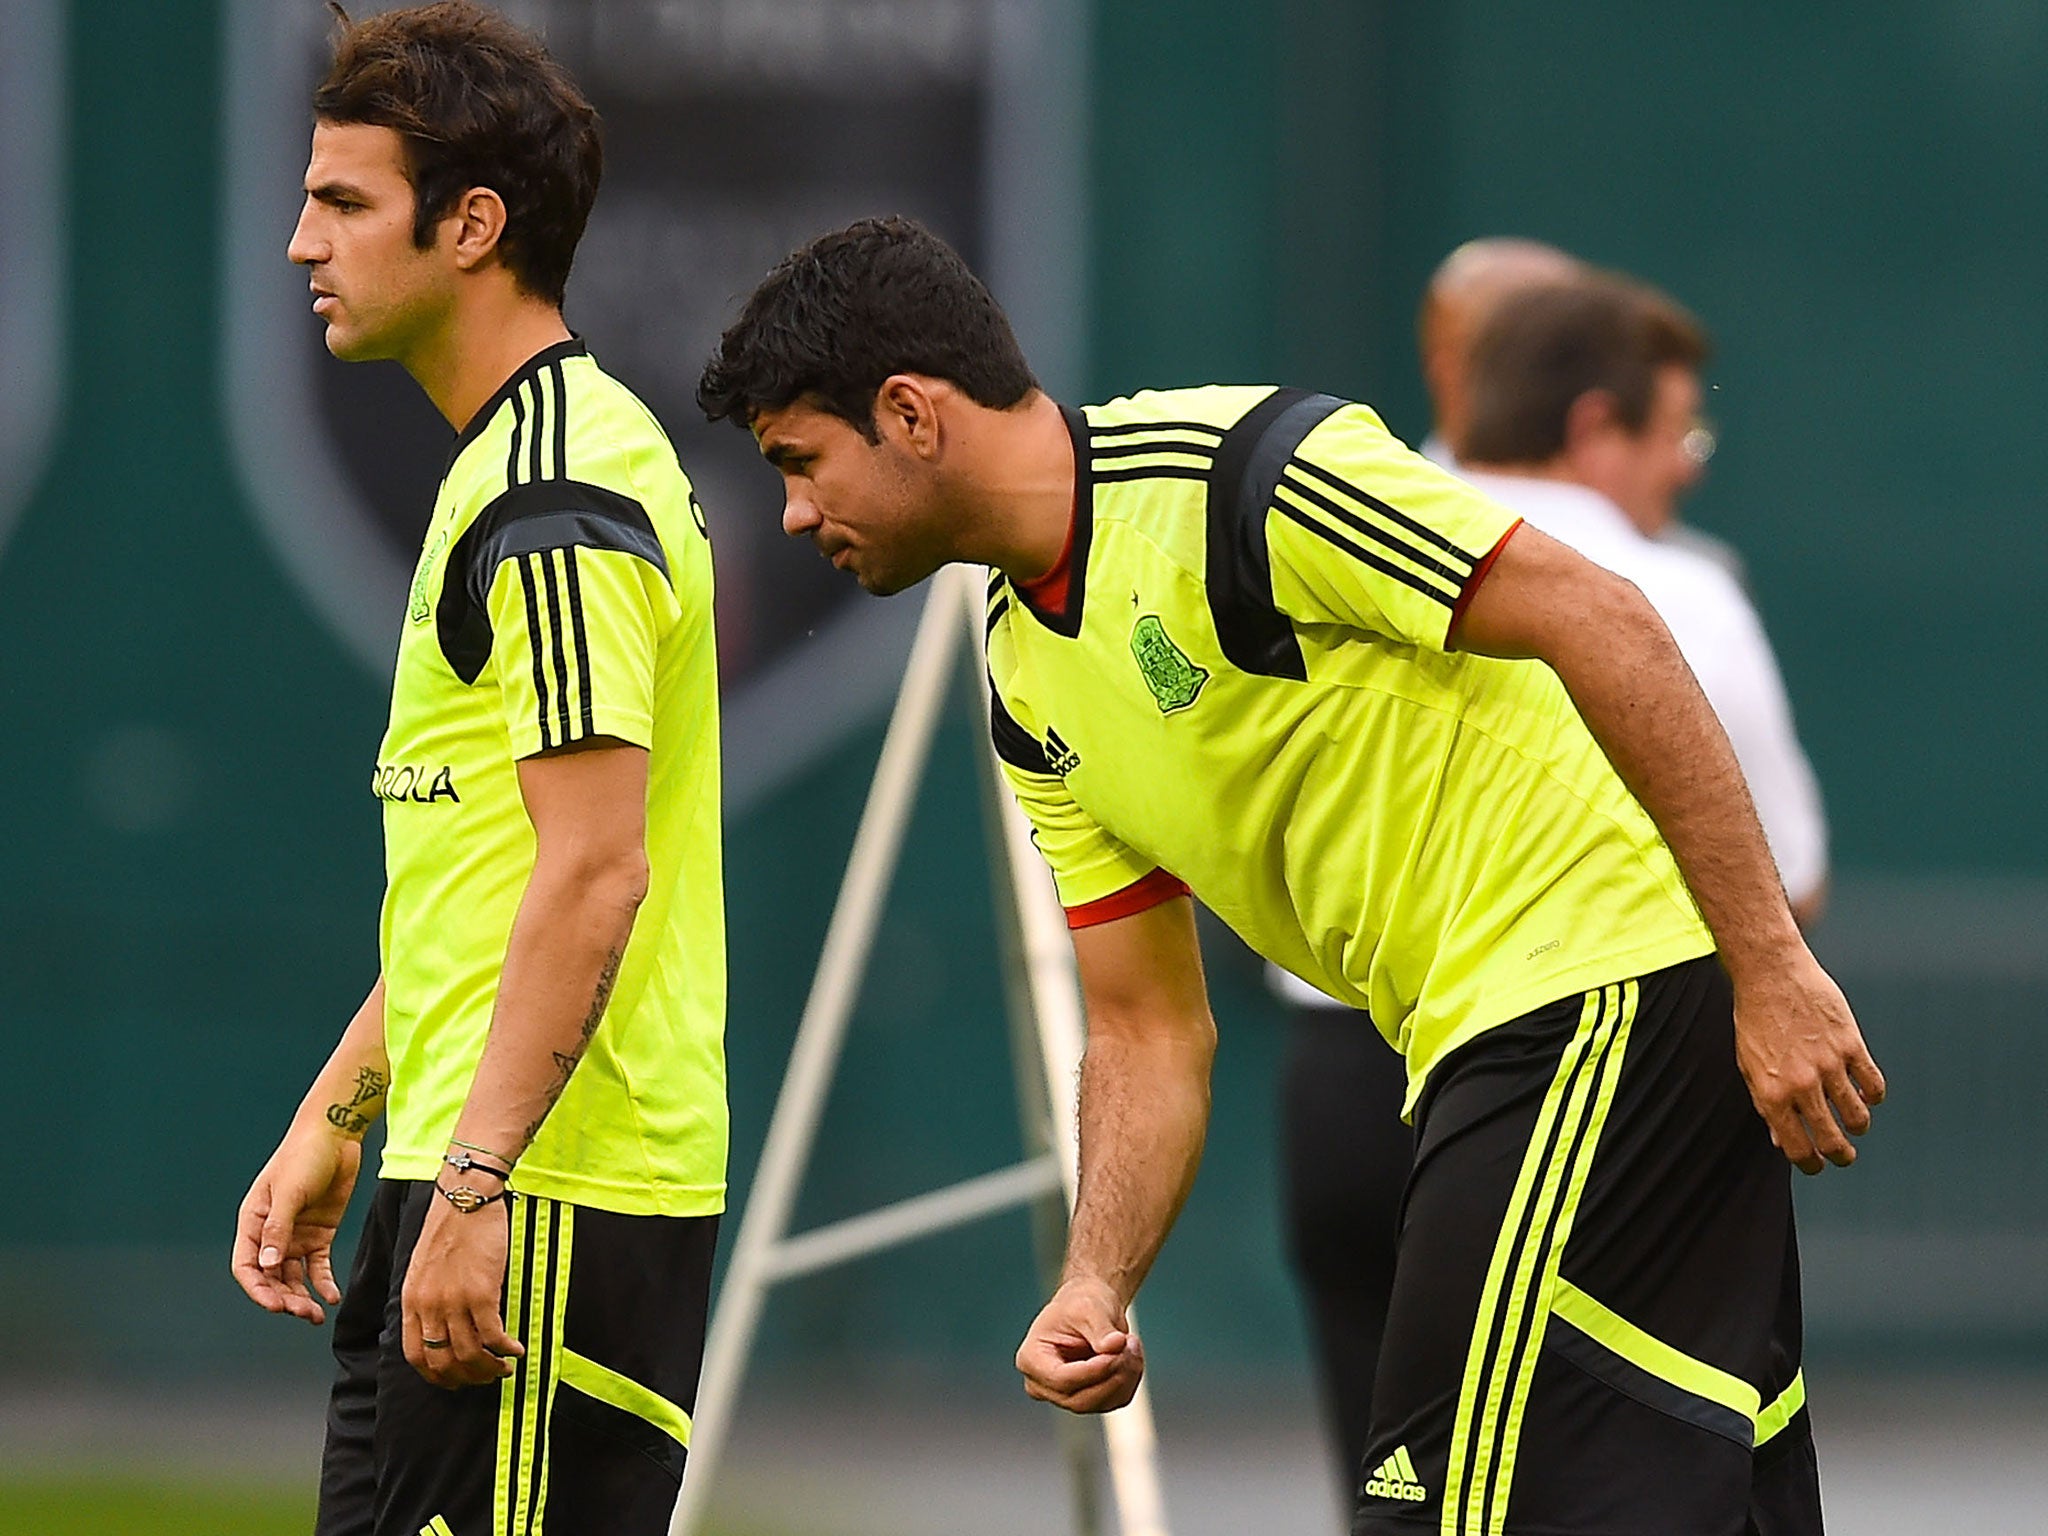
<point>352,1116</point>
<point>565,1061</point>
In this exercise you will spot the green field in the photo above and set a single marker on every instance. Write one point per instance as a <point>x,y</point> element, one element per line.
<point>82,1505</point>
<point>86,1505</point>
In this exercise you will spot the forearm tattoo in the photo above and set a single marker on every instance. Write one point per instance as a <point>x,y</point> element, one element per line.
<point>565,1061</point>
<point>352,1116</point>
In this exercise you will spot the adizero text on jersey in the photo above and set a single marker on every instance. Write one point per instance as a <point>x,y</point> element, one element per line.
<point>563,593</point>
<point>1252,689</point>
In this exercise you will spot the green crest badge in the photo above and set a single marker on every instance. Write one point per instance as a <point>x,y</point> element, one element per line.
<point>1175,681</point>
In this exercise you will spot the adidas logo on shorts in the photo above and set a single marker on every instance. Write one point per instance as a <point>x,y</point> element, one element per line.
<point>1395,1479</point>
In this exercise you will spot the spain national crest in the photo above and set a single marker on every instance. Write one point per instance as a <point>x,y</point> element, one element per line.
<point>1175,681</point>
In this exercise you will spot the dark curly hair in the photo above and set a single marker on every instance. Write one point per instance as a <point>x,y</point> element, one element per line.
<point>838,317</point>
<point>478,103</point>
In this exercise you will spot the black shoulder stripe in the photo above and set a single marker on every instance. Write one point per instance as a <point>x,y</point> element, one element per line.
<point>561,420</point>
<point>1151,472</point>
<point>555,603</point>
<point>1255,635</point>
<point>1381,536</point>
<point>527,520</point>
<point>1365,556</point>
<point>582,638</point>
<point>1114,451</point>
<point>1420,530</point>
<point>540,428</point>
<point>996,611</point>
<point>540,677</point>
<point>512,450</point>
<point>1014,745</point>
<point>1209,428</point>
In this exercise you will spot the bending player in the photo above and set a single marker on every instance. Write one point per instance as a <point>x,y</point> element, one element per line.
<point>1437,764</point>
<point>520,1341</point>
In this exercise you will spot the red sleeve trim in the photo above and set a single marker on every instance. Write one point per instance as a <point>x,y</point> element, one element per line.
<point>1472,583</point>
<point>1154,890</point>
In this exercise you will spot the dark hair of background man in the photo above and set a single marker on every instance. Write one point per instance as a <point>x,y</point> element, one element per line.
<point>1544,348</point>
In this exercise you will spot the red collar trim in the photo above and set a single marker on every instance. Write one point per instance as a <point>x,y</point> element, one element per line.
<point>1048,593</point>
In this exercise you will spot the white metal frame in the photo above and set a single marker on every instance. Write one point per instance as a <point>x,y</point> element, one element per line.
<point>1047,1034</point>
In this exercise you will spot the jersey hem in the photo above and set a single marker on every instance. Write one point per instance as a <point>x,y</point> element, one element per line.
<point>1603,971</point>
<point>629,726</point>
<point>634,1199</point>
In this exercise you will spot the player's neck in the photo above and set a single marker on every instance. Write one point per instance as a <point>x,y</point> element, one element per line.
<point>1019,494</point>
<point>464,363</point>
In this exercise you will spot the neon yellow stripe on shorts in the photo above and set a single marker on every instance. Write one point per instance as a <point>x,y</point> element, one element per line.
<point>1515,1302</point>
<point>1779,1413</point>
<point>622,1392</point>
<point>1651,1354</point>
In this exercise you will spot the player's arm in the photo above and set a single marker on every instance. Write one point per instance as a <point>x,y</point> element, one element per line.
<point>284,1232</point>
<point>1799,1048</point>
<point>1144,1107</point>
<point>588,805</point>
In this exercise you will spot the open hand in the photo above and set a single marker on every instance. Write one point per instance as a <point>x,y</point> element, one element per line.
<point>1809,1073</point>
<point>454,1289</point>
<point>1080,1354</point>
<point>284,1233</point>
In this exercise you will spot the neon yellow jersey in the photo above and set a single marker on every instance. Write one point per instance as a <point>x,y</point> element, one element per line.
<point>1248,687</point>
<point>564,592</point>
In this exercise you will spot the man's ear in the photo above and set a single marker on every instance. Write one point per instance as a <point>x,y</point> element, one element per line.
<point>478,220</point>
<point>907,408</point>
<point>1591,417</point>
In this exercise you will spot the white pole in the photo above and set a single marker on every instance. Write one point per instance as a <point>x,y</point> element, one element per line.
<point>1048,953</point>
<point>834,991</point>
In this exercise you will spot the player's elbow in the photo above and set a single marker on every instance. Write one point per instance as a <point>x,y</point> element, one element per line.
<point>613,878</point>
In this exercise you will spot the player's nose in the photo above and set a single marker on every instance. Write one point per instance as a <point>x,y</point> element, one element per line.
<point>303,248</point>
<point>799,517</point>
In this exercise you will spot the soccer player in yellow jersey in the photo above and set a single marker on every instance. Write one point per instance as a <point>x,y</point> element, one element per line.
<point>1244,643</point>
<point>519,1343</point>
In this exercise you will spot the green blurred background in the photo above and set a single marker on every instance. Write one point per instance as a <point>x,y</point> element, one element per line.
<point>1849,194</point>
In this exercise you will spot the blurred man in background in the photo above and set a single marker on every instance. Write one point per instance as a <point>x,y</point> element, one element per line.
<point>1462,291</point>
<point>519,1344</point>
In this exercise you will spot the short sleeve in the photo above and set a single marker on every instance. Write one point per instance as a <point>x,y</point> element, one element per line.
<point>1087,862</point>
<point>1364,532</point>
<point>574,633</point>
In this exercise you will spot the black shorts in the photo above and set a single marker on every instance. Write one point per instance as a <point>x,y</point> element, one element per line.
<point>1595,1322</point>
<point>587,1436</point>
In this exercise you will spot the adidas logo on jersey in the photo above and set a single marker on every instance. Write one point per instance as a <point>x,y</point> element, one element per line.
<point>1395,1479</point>
<point>1063,758</point>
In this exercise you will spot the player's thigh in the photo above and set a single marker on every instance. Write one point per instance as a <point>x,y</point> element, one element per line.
<point>632,1344</point>
<point>348,1474</point>
<point>1591,1299</point>
<point>436,1453</point>
<point>1476,1126</point>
